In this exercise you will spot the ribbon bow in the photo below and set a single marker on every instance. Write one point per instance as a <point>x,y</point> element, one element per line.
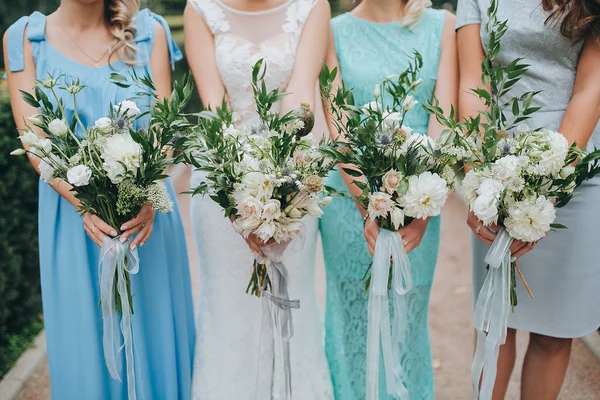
<point>388,246</point>
<point>117,261</point>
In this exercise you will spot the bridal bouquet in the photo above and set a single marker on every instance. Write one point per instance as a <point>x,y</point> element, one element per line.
<point>405,178</point>
<point>267,179</point>
<point>115,168</point>
<point>516,182</point>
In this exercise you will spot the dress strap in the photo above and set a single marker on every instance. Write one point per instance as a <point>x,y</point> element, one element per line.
<point>213,15</point>
<point>296,16</point>
<point>145,23</point>
<point>35,25</point>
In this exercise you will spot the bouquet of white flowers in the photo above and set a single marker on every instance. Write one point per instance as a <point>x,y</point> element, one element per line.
<point>267,179</point>
<point>516,182</point>
<point>115,168</point>
<point>406,179</point>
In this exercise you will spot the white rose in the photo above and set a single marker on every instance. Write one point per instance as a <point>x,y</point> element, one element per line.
<point>104,125</point>
<point>427,193</point>
<point>380,204</point>
<point>272,210</point>
<point>45,145</point>
<point>128,108</point>
<point>47,168</point>
<point>409,103</point>
<point>391,180</point>
<point>58,127</point>
<point>79,175</point>
<point>29,138</point>
<point>567,171</point>
<point>418,141</point>
<point>122,157</point>
<point>392,119</point>
<point>470,184</point>
<point>397,216</point>
<point>373,106</point>
<point>490,187</point>
<point>486,209</point>
<point>245,226</point>
<point>250,207</point>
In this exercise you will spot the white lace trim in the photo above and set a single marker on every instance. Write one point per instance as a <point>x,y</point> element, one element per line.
<point>213,15</point>
<point>296,16</point>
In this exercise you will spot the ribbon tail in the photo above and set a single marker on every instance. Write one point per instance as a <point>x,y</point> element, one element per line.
<point>111,337</point>
<point>491,316</point>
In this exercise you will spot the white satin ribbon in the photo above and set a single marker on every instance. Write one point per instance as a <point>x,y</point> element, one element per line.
<point>380,336</point>
<point>491,316</point>
<point>277,327</point>
<point>116,261</point>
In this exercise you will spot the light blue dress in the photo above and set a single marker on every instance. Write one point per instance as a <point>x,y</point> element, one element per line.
<point>163,322</point>
<point>368,52</point>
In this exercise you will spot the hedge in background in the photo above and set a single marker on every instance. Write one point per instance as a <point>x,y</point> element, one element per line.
<point>20,300</point>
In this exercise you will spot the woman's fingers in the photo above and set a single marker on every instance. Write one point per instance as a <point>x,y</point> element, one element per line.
<point>142,236</point>
<point>103,226</point>
<point>92,236</point>
<point>526,248</point>
<point>517,245</point>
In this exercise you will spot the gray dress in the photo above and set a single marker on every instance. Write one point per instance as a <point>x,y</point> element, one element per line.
<point>564,269</point>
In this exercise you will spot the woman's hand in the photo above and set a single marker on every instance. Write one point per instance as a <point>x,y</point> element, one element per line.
<point>141,224</point>
<point>488,234</point>
<point>256,244</point>
<point>411,234</point>
<point>97,229</point>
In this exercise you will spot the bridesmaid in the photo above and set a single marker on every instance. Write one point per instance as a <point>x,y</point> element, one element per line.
<point>91,40</point>
<point>372,42</point>
<point>560,41</point>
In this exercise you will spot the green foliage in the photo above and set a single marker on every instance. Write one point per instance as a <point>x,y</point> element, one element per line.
<point>20,301</point>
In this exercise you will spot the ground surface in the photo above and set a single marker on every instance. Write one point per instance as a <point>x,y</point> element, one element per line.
<point>449,319</point>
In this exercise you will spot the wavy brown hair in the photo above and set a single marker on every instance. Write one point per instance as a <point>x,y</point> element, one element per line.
<point>580,18</point>
<point>119,16</point>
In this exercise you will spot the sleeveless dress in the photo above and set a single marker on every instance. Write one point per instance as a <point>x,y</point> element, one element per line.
<point>563,270</point>
<point>163,324</point>
<point>368,52</point>
<point>229,320</point>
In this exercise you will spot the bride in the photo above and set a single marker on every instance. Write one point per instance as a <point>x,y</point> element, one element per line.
<point>223,40</point>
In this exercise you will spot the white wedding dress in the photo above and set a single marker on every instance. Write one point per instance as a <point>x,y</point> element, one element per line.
<point>229,320</point>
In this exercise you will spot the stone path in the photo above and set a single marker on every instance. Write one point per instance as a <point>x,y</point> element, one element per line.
<point>450,320</point>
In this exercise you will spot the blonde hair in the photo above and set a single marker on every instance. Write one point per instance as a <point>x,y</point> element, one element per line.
<point>413,11</point>
<point>120,15</point>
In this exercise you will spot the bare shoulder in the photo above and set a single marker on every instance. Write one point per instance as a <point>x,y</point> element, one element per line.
<point>322,8</point>
<point>449,22</point>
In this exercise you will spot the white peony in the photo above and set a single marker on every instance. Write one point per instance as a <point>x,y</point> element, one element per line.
<point>550,149</point>
<point>272,210</point>
<point>427,193</point>
<point>507,167</point>
<point>250,207</point>
<point>397,216</point>
<point>255,184</point>
<point>486,209</point>
<point>29,138</point>
<point>490,187</point>
<point>128,108</point>
<point>530,220</point>
<point>409,103</point>
<point>47,168</point>
<point>79,175</point>
<point>58,127</point>
<point>122,156</point>
<point>104,125</point>
<point>380,204</point>
<point>391,180</point>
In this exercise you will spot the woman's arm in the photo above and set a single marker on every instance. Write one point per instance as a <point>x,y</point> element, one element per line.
<point>583,111</point>
<point>470,57</point>
<point>200,53</point>
<point>25,80</point>
<point>446,88</point>
<point>310,55</point>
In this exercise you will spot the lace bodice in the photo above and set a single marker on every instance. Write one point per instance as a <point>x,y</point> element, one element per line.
<point>242,38</point>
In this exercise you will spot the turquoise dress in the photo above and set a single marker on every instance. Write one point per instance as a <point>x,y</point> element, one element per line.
<point>368,52</point>
<point>163,323</point>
